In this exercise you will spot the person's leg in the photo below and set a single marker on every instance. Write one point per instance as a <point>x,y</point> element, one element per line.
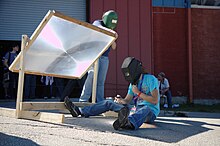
<point>102,72</point>
<point>27,86</point>
<point>59,83</point>
<point>46,91</point>
<point>12,85</point>
<point>68,89</point>
<point>87,88</point>
<point>169,98</point>
<point>140,116</point>
<point>92,110</point>
<point>6,89</point>
<point>101,107</point>
<point>32,86</point>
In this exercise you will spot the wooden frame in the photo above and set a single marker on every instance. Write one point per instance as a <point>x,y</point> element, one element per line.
<point>49,16</point>
<point>39,110</point>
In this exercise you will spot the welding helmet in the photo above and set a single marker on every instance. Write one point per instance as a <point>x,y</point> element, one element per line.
<point>110,19</point>
<point>132,70</point>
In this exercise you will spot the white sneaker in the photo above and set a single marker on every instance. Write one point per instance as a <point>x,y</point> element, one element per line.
<point>175,105</point>
<point>165,105</point>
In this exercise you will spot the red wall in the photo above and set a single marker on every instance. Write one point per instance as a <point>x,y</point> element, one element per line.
<point>170,47</point>
<point>206,53</point>
<point>142,28</point>
<point>134,30</point>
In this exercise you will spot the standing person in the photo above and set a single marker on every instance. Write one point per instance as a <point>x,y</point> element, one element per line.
<point>48,89</point>
<point>143,89</point>
<point>11,85</point>
<point>164,87</point>
<point>59,83</point>
<point>108,22</point>
<point>30,86</point>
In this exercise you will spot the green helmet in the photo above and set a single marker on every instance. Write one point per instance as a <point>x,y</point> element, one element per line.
<point>110,19</point>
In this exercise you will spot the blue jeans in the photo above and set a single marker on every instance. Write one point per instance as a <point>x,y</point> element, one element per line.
<point>169,98</point>
<point>142,114</point>
<point>30,86</point>
<point>87,88</point>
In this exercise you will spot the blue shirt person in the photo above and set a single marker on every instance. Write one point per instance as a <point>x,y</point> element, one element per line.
<point>11,86</point>
<point>145,94</point>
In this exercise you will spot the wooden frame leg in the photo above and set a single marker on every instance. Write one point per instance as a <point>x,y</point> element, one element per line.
<point>21,77</point>
<point>95,77</point>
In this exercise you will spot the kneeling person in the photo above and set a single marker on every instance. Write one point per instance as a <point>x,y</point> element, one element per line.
<point>143,90</point>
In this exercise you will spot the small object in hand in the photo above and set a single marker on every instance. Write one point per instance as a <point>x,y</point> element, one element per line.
<point>118,96</point>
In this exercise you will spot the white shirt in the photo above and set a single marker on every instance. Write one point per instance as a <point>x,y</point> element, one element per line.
<point>164,85</point>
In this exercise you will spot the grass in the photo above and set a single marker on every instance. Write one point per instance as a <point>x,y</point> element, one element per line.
<point>198,108</point>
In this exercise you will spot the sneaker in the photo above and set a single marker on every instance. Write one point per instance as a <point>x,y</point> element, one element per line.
<point>74,110</point>
<point>175,105</point>
<point>122,118</point>
<point>165,105</point>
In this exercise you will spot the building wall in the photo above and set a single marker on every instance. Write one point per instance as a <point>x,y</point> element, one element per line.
<point>166,47</point>
<point>206,52</point>
<point>134,30</point>
<point>170,47</point>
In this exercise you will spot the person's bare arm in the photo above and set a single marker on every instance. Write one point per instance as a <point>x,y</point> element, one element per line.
<point>114,45</point>
<point>152,99</point>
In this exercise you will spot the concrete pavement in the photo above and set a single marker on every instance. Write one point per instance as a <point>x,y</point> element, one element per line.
<point>197,129</point>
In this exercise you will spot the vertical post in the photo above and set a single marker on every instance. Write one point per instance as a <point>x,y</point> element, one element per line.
<point>95,77</point>
<point>190,55</point>
<point>21,77</point>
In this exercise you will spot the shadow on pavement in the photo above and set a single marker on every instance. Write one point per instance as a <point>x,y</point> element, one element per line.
<point>164,129</point>
<point>9,140</point>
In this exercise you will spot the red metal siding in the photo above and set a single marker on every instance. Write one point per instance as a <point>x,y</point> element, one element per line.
<point>170,47</point>
<point>134,30</point>
<point>206,52</point>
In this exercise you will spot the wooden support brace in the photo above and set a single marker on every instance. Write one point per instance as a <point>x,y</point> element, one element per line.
<point>21,76</point>
<point>94,87</point>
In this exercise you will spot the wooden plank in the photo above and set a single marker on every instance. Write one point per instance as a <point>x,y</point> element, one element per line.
<point>42,116</point>
<point>49,105</point>
<point>7,112</point>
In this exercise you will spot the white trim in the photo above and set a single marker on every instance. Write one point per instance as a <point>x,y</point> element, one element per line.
<point>205,7</point>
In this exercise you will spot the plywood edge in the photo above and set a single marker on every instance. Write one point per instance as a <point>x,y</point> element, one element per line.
<point>42,116</point>
<point>85,24</point>
<point>7,112</point>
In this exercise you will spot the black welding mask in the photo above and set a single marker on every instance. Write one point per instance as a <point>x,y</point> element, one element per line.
<point>131,69</point>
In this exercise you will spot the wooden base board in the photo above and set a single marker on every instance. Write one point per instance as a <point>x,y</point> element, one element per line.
<point>34,115</point>
<point>42,116</point>
<point>30,110</point>
<point>49,105</point>
<point>7,112</point>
